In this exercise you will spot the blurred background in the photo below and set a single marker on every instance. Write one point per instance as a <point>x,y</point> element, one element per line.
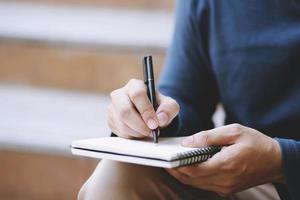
<point>59,59</point>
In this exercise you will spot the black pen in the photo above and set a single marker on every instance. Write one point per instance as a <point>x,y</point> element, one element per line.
<point>149,81</point>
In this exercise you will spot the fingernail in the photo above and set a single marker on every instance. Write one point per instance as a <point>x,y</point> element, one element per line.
<point>162,118</point>
<point>152,124</point>
<point>188,141</point>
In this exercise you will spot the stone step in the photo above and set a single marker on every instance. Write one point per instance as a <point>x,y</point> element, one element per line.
<point>69,68</point>
<point>79,48</point>
<point>131,4</point>
<point>87,26</point>
<point>31,176</point>
<point>46,121</point>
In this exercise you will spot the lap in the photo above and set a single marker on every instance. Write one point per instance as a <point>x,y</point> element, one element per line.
<point>116,180</point>
<point>264,192</point>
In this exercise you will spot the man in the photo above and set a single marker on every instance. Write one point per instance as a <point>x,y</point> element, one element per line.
<point>244,54</point>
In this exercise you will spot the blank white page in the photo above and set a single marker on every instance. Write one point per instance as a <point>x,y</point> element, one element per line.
<point>165,149</point>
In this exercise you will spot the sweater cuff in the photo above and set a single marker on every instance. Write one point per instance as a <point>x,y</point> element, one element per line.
<point>291,164</point>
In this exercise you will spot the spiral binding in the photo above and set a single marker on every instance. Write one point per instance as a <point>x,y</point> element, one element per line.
<point>197,155</point>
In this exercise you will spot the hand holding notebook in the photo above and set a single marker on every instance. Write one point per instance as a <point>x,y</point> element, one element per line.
<point>168,153</point>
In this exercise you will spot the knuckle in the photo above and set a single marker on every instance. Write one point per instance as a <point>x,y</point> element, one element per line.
<point>227,164</point>
<point>196,138</point>
<point>148,111</point>
<point>174,104</point>
<point>236,128</point>
<point>125,112</point>
<point>235,131</point>
<point>138,92</point>
<point>114,93</point>
<point>134,81</point>
<point>200,138</point>
<point>170,100</point>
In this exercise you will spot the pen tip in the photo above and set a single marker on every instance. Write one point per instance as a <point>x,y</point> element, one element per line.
<point>155,136</point>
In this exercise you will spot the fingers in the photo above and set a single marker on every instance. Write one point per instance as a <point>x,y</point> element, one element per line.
<point>215,182</point>
<point>167,110</point>
<point>120,128</point>
<point>207,168</point>
<point>131,113</point>
<point>178,175</point>
<point>137,92</point>
<point>204,183</point>
<point>225,135</point>
<point>122,110</point>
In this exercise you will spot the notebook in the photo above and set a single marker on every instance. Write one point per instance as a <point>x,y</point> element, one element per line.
<point>167,153</point>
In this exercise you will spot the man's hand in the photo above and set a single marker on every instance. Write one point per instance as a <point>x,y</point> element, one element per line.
<point>248,158</point>
<point>131,114</point>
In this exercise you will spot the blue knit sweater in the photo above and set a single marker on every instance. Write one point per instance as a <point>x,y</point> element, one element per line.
<point>245,54</point>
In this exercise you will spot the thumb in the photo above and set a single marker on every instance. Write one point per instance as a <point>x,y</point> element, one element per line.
<point>221,136</point>
<point>167,110</point>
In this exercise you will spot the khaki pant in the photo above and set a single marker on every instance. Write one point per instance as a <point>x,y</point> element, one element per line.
<point>118,181</point>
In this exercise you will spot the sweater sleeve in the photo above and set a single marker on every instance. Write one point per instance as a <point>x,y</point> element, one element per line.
<point>291,166</point>
<point>187,76</point>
